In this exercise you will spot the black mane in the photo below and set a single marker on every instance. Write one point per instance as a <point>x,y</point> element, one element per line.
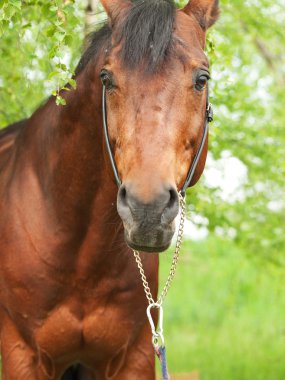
<point>145,32</point>
<point>97,42</point>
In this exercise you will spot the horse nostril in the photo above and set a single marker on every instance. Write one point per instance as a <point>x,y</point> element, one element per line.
<point>122,203</point>
<point>172,208</point>
<point>164,208</point>
<point>123,194</point>
<point>173,198</point>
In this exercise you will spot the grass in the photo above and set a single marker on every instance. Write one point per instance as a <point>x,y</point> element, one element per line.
<point>225,314</point>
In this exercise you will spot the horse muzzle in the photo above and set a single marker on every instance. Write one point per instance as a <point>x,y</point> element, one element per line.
<point>149,226</point>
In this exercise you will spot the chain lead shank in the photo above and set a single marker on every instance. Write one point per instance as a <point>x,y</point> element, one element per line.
<point>173,264</point>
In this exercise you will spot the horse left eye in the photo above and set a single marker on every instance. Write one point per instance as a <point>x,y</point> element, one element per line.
<point>201,81</point>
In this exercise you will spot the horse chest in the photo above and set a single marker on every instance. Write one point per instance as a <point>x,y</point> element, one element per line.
<point>95,335</point>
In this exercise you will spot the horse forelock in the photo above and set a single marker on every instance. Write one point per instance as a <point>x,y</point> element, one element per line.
<point>143,31</point>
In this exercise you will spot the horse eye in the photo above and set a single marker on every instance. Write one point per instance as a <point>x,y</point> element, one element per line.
<point>202,80</point>
<point>106,79</point>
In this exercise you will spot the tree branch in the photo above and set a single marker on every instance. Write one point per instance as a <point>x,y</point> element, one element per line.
<point>90,14</point>
<point>268,56</point>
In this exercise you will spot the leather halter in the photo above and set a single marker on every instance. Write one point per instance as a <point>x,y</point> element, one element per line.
<point>208,118</point>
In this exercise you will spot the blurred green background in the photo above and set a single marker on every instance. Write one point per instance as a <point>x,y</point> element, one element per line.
<point>225,312</point>
<point>224,315</point>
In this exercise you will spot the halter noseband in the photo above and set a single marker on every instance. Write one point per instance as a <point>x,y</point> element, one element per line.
<point>208,118</point>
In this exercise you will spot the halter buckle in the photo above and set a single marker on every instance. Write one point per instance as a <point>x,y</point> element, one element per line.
<point>210,113</point>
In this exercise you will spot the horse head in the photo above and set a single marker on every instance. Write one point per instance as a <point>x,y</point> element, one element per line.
<point>155,78</point>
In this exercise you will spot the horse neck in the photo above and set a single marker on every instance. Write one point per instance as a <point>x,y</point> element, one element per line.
<point>62,150</point>
<point>66,152</point>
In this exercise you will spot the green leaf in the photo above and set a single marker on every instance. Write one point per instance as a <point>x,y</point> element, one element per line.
<point>53,74</point>
<point>16,3</point>
<point>54,8</point>
<point>61,66</point>
<point>72,82</point>
<point>60,101</point>
<point>68,39</point>
<point>59,36</point>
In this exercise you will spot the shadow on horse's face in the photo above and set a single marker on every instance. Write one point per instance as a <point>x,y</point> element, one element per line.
<point>156,113</point>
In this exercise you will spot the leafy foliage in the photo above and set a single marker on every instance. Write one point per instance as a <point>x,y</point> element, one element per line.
<point>39,47</point>
<point>248,96</point>
<point>246,50</point>
<point>41,44</point>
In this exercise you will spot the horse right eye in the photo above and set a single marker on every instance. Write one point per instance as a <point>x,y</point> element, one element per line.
<point>106,79</point>
<point>202,80</point>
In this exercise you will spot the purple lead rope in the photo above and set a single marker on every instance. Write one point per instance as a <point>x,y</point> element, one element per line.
<point>161,354</point>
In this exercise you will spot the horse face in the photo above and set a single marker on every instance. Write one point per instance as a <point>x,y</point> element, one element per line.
<point>156,111</point>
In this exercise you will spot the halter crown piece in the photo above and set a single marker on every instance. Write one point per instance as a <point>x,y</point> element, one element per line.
<point>157,333</point>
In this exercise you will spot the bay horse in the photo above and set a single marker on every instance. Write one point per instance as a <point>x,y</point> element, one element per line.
<point>72,302</point>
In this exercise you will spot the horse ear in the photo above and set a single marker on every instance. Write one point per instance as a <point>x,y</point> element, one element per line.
<point>114,7</point>
<point>205,11</point>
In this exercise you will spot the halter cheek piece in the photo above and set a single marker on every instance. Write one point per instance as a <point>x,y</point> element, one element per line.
<point>208,118</point>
